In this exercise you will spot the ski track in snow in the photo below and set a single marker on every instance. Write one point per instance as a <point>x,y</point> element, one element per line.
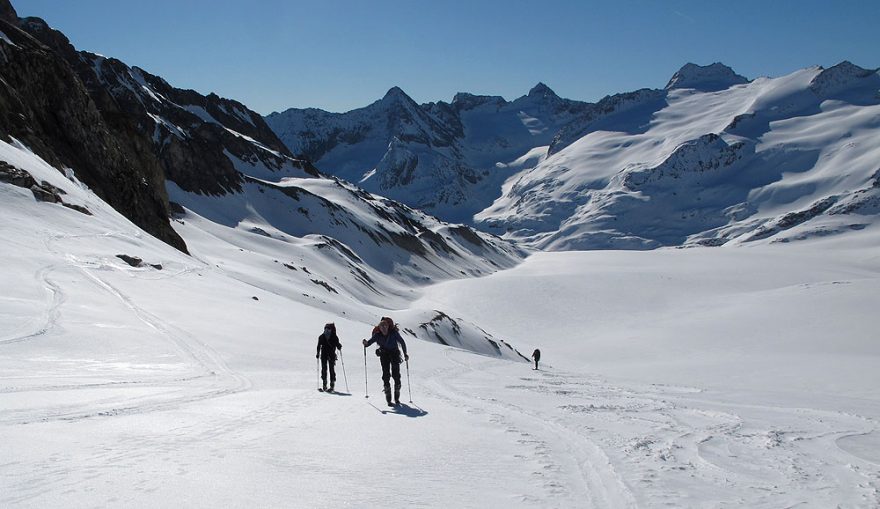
<point>602,445</point>
<point>560,451</point>
<point>584,441</point>
<point>216,378</point>
<point>54,299</point>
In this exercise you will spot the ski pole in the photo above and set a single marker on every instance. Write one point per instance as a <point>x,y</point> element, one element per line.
<point>343,370</point>
<point>366,392</point>
<point>318,372</point>
<point>408,386</point>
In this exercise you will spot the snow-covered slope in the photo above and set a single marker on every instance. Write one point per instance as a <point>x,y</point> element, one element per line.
<point>709,160</point>
<point>446,159</point>
<point>228,176</point>
<point>733,376</point>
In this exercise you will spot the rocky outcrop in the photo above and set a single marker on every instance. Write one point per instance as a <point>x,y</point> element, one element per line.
<point>7,12</point>
<point>705,78</point>
<point>197,139</point>
<point>42,191</point>
<point>45,105</point>
<point>845,77</point>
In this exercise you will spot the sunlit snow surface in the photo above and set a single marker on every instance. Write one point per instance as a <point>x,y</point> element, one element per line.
<point>705,377</point>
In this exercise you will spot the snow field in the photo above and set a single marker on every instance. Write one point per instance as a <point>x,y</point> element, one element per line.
<point>710,377</point>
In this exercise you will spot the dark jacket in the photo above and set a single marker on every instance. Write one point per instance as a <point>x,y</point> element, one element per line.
<point>327,346</point>
<point>390,342</point>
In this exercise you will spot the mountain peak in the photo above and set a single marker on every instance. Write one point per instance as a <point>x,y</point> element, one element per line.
<point>848,68</point>
<point>395,93</point>
<point>705,78</point>
<point>843,76</point>
<point>541,90</point>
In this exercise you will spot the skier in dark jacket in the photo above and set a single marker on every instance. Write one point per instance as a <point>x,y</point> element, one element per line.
<point>328,343</point>
<point>537,356</point>
<point>387,336</point>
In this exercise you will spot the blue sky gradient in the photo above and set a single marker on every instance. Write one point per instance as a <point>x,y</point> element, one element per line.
<point>340,55</point>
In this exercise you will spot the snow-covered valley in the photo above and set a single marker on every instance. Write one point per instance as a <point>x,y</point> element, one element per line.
<point>170,259</point>
<point>703,377</point>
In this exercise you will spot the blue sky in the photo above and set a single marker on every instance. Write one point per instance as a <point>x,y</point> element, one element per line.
<point>341,55</point>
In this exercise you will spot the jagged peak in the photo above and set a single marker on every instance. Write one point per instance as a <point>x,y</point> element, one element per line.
<point>706,78</point>
<point>542,90</point>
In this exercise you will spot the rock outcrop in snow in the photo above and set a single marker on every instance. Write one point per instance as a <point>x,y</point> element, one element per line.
<point>46,106</point>
<point>709,78</point>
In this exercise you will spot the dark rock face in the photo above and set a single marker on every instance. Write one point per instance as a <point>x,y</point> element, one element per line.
<point>191,134</point>
<point>45,105</point>
<point>7,12</point>
<point>707,78</point>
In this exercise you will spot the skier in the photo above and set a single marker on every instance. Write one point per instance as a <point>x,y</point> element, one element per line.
<point>387,336</point>
<point>537,356</point>
<point>328,343</point>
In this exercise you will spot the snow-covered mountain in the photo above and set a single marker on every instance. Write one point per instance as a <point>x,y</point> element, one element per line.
<point>217,165</point>
<point>699,377</point>
<point>446,159</point>
<point>141,372</point>
<point>711,159</point>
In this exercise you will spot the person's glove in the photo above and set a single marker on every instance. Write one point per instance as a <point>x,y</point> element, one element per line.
<point>406,356</point>
<point>364,341</point>
<point>317,356</point>
<point>339,347</point>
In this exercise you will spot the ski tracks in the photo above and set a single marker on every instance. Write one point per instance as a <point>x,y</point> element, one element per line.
<point>213,377</point>
<point>54,299</point>
<point>572,471</point>
<point>607,445</point>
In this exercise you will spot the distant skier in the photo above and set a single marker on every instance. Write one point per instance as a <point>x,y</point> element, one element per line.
<point>328,343</point>
<point>387,336</point>
<point>537,356</point>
